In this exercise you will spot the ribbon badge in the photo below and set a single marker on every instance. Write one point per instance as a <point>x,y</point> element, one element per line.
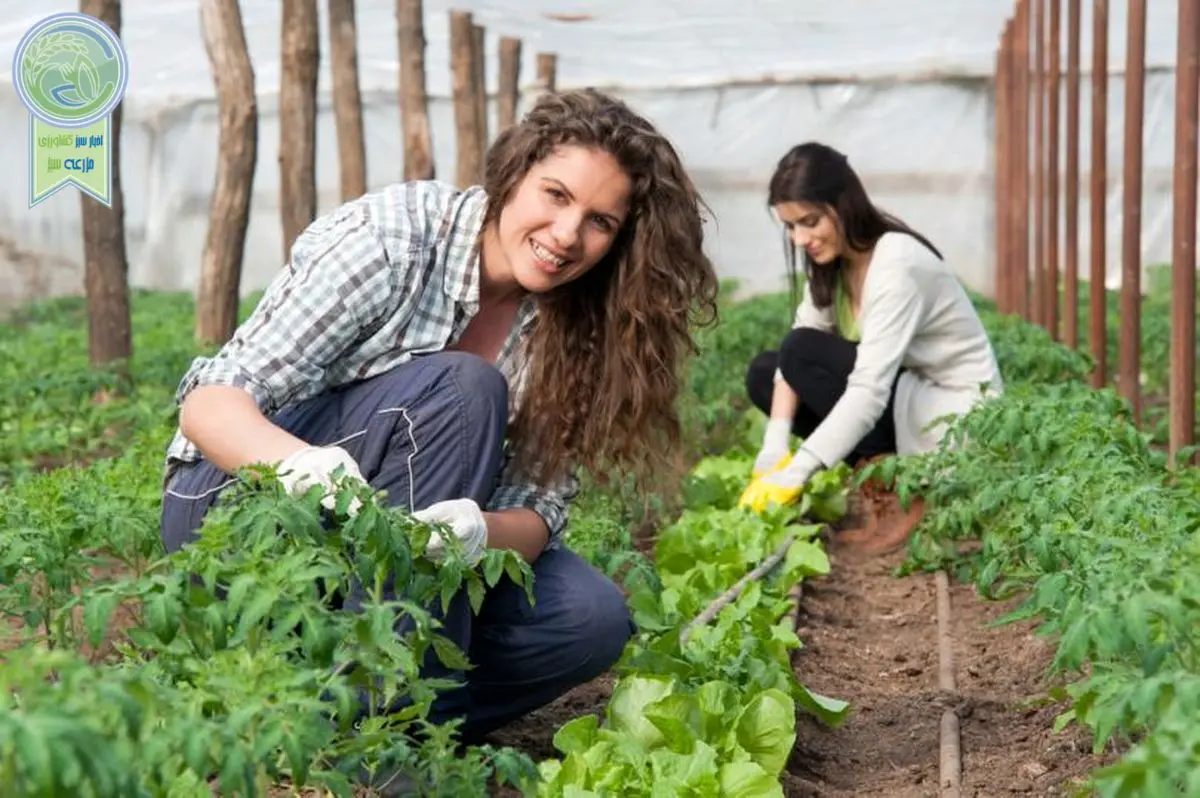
<point>70,71</point>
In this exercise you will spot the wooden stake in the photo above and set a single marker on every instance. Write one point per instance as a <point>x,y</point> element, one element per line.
<point>347,99</point>
<point>478,41</point>
<point>466,106</point>
<point>229,211</point>
<point>298,119</point>
<point>1098,197</point>
<point>1183,255</point>
<point>509,81</point>
<point>547,72</point>
<point>414,101</point>
<point>1129,350</point>
<point>1071,212</point>
<point>106,265</point>
<point>1053,86</point>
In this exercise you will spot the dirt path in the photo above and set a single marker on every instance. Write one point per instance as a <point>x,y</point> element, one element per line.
<point>870,638</point>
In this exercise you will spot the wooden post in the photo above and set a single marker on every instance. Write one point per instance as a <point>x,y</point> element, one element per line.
<point>347,99</point>
<point>1039,162</point>
<point>298,119</point>
<point>106,265</point>
<point>1129,352</point>
<point>508,91</point>
<point>1098,197</point>
<point>1071,212</point>
<point>1021,206</point>
<point>478,41</point>
<point>229,210</point>
<point>1053,86</point>
<point>1000,115</point>
<point>466,104</point>
<point>547,72</point>
<point>1183,254</point>
<point>414,101</point>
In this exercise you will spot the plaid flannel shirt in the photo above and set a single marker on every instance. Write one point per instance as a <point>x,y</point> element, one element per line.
<point>371,284</point>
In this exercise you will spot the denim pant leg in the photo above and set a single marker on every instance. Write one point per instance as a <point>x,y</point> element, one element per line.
<point>527,656</point>
<point>428,430</point>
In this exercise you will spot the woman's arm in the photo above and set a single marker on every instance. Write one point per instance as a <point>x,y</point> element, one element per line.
<point>518,528</point>
<point>784,402</point>
<point>338,281</point>
<point>226,425</point>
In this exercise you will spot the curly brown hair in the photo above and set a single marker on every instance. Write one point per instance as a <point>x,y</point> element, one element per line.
<point>606,355</point>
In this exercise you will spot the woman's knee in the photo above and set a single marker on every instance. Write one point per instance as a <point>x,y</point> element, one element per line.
<point>480,383</point>
<point>807,349</point>
<point>600,623</point>
<point>435,429</point>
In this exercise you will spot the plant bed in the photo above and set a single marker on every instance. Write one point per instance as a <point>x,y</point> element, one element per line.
<point>871,638</point>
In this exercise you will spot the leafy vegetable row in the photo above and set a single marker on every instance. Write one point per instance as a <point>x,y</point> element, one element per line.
<point>713,715</point>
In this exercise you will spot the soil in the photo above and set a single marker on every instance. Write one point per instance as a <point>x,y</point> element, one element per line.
<point>870,638</point>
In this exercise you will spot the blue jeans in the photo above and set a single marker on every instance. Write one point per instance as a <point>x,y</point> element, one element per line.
<point>430,430</point>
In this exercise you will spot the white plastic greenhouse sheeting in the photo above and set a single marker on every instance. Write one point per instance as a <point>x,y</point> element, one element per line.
<point>901,87</point>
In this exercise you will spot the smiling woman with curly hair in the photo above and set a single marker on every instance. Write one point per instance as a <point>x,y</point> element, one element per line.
<point>465,350</point>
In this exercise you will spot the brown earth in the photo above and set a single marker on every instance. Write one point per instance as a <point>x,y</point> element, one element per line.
<point>871,639</point>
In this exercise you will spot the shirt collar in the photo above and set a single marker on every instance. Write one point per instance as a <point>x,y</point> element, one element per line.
<point>465,221</point>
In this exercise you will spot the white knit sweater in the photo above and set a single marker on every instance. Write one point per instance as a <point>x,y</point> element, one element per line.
<point>917,316</point>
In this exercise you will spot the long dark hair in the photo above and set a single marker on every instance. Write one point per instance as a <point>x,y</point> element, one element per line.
<point>820,175</point>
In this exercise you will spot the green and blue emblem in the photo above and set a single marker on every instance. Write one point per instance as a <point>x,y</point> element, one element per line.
<point>70,71</point>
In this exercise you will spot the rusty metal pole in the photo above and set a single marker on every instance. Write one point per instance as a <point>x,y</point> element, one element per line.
<point>1098,197</point>
<point>1053,87</point>
<point>1071,211</point>
<point>1039,161</point>
<point>1129,351</point>
<point>1020,208</point>
<point>1183,253</point>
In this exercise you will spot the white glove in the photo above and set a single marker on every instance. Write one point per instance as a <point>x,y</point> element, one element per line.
<point>314,465</point>
<point>775,445</point>
<point>797,472</point>
<point>466,522</point>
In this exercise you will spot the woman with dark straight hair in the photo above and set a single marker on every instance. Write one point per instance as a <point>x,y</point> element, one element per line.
<point>885,340</point>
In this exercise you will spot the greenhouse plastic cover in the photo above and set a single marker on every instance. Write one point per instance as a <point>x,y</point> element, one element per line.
<point>902,87</point>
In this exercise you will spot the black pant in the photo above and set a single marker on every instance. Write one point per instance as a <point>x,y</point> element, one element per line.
<point>817,365</point>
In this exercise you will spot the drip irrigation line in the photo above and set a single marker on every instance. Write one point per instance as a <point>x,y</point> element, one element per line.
<point>731,595</point>
<point>950,765</point>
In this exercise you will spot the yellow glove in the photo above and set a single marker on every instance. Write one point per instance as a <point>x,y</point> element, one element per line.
<point>760,494</point>
<point>782,485</point>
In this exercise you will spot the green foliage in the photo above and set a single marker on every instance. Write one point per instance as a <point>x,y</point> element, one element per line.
<point>122,675</point>
<point>272,649</point>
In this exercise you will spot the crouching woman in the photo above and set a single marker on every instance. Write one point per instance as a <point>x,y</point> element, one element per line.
<point>464,350</point>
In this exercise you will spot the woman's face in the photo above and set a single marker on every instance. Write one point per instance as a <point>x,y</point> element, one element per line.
<point>814,229</point>
<point>561,219</point>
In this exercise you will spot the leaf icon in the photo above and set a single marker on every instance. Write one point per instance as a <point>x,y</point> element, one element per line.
<point>88,80</point>
<point>67,96</point>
